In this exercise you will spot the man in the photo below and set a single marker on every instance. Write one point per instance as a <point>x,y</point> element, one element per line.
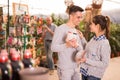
<point>66,48</point>
<point>48,33</point>
<point>2,36</point>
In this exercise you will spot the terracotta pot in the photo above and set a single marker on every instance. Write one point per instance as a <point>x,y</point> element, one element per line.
<point>96,6</point>
<point>118,53</point>
<point>38,73</point>
<point>112,55</point>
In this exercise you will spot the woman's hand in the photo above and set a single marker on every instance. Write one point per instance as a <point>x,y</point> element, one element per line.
<point>80,34</point>
<point>72,43</point>
<point>80,57</point>
<point>82,60</point>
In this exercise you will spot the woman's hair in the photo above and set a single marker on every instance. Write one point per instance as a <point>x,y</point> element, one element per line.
<point>73,8</point>
<point>104,23</point>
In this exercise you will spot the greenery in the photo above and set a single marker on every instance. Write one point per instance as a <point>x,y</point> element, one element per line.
<point>58,20</point>
<point>114,33</point>
<point>115,38</point>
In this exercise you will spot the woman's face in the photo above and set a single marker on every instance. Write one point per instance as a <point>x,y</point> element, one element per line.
<point>93,27</point>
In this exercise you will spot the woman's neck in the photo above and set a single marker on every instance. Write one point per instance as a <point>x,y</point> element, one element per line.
<point>99,34</point>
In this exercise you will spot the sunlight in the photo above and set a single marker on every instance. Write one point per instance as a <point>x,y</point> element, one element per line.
<point>57,6</point>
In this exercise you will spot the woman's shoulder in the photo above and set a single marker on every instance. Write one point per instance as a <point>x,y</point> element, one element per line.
<point>105,43</point>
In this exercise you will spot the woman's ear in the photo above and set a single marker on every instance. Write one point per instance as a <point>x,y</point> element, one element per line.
<point>99,27</point>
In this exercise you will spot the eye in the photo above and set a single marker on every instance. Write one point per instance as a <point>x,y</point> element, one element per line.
<point>75,33</point>
<point>90,23</point>
<point>79,17</point>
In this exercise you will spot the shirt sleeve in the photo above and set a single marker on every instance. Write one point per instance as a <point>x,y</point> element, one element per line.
<point>83,42</point>
<point>105,52</point>
<point>57,43</point>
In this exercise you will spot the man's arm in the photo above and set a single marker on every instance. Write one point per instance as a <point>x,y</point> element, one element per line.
<point>57,44</point>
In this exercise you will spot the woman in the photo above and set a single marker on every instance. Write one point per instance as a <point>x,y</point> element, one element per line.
<point>98,50</point>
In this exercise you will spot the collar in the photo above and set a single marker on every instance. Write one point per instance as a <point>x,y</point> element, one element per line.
<point>101,37</point>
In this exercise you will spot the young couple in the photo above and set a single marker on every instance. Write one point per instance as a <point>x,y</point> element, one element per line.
<point>94,58</point>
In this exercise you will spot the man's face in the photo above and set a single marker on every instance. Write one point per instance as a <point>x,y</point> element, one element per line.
<point>49,20</point>
<point>76,18</point>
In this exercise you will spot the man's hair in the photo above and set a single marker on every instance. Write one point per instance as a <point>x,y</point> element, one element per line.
<point>73,8</point>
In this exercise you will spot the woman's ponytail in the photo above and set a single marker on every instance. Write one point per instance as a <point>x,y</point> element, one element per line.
<point>107,26</point>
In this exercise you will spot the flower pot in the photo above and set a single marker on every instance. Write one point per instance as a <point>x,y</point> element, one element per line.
<point>118,53</point>
<point>96,6</point>
<point>112,55</point>
<point>38,73</point>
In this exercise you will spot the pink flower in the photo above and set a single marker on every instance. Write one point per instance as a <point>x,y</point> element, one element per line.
<point>9,41</point>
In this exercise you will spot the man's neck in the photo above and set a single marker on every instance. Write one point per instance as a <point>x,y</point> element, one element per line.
<point>70,24</point>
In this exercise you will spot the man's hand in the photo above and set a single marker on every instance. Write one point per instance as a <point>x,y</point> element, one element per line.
<point>48,29</point>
